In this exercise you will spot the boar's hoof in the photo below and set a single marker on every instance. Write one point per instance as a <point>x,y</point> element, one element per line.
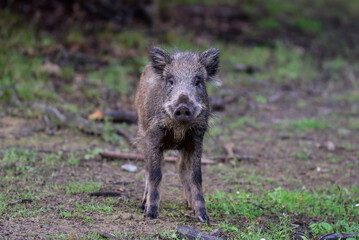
<point>152,212</point>
<point>203,216</point>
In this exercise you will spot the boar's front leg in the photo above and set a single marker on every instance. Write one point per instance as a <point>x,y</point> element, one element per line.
<point>153,157</point>
<point>191,176</point>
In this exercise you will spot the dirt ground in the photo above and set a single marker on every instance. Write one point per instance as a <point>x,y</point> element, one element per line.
<point>277,164</point>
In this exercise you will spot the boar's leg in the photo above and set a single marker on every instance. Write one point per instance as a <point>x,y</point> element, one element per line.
<point>144,199</point>
<point>151,199</point>
<point>192,159</point>
<point>184,174</point>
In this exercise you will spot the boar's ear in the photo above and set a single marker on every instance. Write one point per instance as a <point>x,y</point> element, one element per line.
<point>210,60</point>
<point>159,58</point>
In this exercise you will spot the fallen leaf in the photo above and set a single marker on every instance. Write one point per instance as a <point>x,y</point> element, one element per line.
<point>96,115</point>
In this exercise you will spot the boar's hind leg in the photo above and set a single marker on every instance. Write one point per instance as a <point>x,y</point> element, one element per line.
<point>192,155</point>
<point>151,198</point>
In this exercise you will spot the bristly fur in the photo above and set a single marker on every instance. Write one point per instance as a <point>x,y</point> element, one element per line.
<point>168,83</point>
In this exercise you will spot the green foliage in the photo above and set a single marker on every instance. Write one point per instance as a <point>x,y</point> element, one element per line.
<point>269,23</point>
<point>75,36</point>
<point>308,124</point>
<point>216,131</point>
<point>114,76</point>
<point>260,99</point>
<point>335,64</point>
<point>74,159</point>
<point>292,65</point>
<point>354,123</point>
<point>302,155</point>
<point>92,207</point>
<point>244,121</point>
<point>92,153</point>
<point>109,133</point>
<point>18,164</point>
<point>308,25</point>
<point>321,228</point>
<point>132,39</point>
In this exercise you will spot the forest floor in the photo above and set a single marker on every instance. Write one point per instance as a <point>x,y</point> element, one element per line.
<point>294,112</point>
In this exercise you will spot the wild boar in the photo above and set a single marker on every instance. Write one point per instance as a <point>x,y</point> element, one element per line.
<point>173,111</point>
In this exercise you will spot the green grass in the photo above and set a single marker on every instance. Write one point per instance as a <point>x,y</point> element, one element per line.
<point>18,164</point>
<point>244,121</point>
<point>75,187</point>
<point>308,124</point>
<point>241,214</point>
<point>334,206</point>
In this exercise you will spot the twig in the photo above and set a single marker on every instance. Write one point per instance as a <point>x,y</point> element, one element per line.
<point>237,157</point>
<point>337,236</point>
<point>105,194</point>
<point>26,200</point>
<point>135,156</point>
<point>189,233</point>
<point>257,204</point>
<point>108,236</point>
<point>44,150</point>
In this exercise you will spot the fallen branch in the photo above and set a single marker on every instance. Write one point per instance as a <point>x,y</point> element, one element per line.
<point>189,233</point>
<point>54,118</point>
<point>135,156</point>
<point>337,236</point>
<point>26,200</point>
<point>43,150</point>
<point>121,116</point>
<point>105,194</point>
<point>115,116</point>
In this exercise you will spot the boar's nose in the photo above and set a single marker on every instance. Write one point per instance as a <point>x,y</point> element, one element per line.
<point>183,113</point>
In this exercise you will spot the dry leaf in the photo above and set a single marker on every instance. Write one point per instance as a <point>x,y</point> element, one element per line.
<point>96,115</point>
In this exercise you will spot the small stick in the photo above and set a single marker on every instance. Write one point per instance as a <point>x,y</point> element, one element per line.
<point>108,236</point>
<point>236,156</point>
<point>135,156</point>
<point>26,200</point>
<point>189,233</point>
<point>105,194</point>
<point>337,236</point>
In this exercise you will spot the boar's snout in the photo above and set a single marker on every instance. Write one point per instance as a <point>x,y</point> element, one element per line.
<point>183,109</point>
<point>183,113</point>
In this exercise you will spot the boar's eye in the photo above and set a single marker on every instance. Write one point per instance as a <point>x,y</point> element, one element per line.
<point>197,80</point>
<point>170,80</point>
